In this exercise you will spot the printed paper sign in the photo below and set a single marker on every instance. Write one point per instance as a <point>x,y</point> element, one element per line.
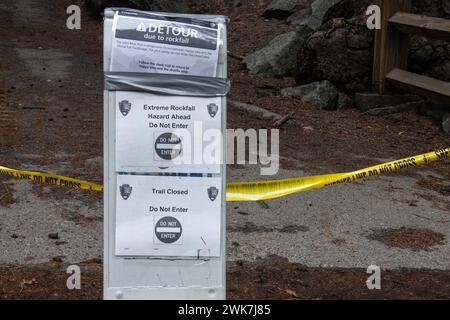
<point>168,216</point>
<point>154,44</point>
<point>168,133</point>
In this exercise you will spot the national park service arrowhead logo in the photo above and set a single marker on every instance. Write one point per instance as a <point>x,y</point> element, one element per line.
<point>212,109</point>
<point>125,191</point>
<point>124,107</point>
<point>213,192</point>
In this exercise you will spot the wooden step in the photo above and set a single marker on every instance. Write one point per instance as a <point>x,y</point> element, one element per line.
<point>430,27</point>
<point>420,85</point>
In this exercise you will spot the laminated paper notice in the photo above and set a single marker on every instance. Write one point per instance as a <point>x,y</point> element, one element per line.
<point>173,134</point>
<point>148,43</point>
<point>173,216</point>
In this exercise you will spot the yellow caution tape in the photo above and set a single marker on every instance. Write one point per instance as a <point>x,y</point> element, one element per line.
<point>51,179</point>
<point>261,190</point>
<point>254,191</point>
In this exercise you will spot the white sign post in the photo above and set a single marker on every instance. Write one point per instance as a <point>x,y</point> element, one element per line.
<point>164,205</point>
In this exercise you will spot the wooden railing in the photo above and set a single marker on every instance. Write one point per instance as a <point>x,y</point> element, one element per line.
<point>391,50</point>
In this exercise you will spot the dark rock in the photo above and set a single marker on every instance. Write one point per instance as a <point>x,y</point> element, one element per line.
<point>422,54</point>
<point>341,48</point>
<point>277,58</point>
<point>441,71</point>
<point>394,109</point>
<point>322,95</point>
<point>322,100</point>
<point>97,6</point>
<point>319,9</point>
<point>346,9</point>
<point>58,259</point>
<point>446,123</point>
<point>343,55</point>
<point>344,101</point>
<point>433,8</point>
<point>430,57</point>
<point>367,101</point>
<point>300,17</point>
<point>54,236</point>
<point>359,41</point>
<point>281,9</point>
<point>436,110</point>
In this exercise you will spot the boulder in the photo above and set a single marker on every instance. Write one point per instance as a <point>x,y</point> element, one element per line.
<point>97,6</point>
<point>434,109</point>
<point>347,9</point>
<point>421,54</point>
<point>383,111</point>
<point>446,123</point>
<point>368,101</point>
<point>322,95</point>
<point>430,57</point>
<point>300,17</point>
<point>341,53</point>
<point>341,47</point>
<point>344,101</point>
<point>441,71</point>
<point>281,9</point>
<point>433,8</point>
<point>319,9</point>
<point>278,58</point>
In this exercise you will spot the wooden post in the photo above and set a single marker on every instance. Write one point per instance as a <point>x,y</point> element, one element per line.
<point>391,46</point>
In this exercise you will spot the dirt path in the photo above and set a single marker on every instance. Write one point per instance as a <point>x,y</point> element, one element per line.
<point>51,120</point>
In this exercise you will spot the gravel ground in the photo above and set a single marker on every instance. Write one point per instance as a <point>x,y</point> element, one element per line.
<point>51,120</point>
